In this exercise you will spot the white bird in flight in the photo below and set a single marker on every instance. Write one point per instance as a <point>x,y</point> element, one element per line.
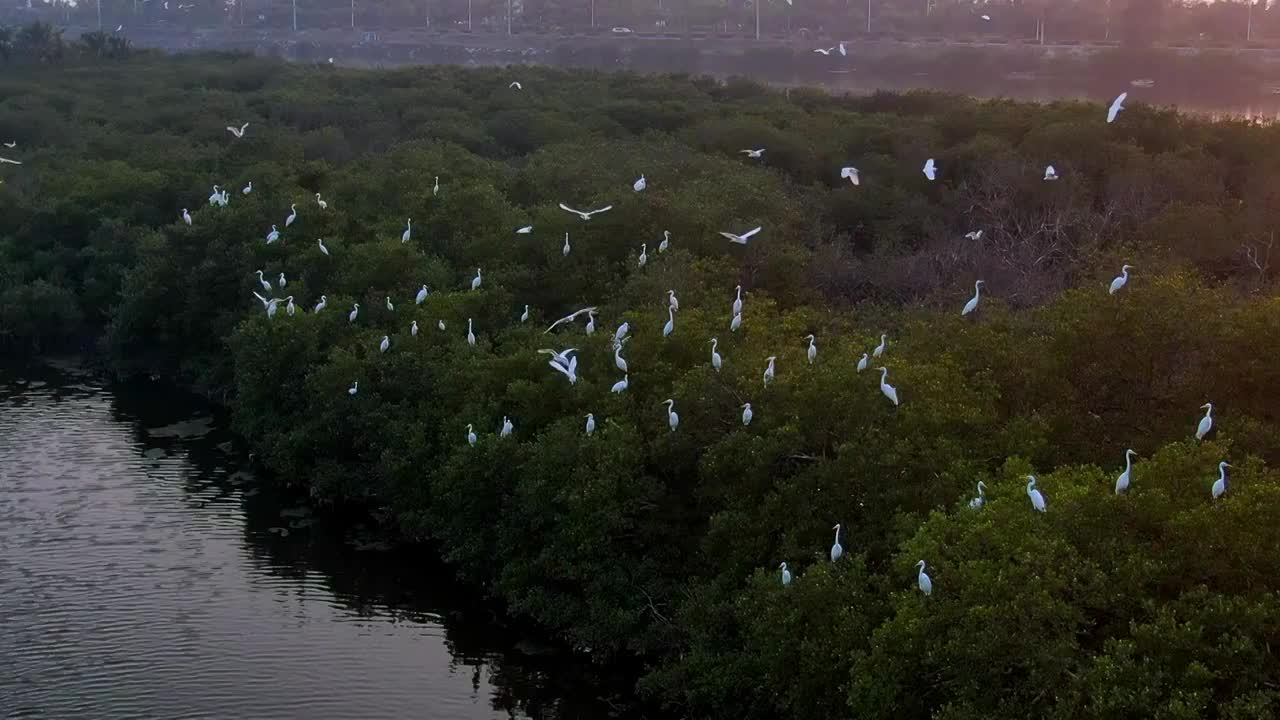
<point>186,217</point>
<point>1122,482</point>
<point>922,580</point>
<point>569,370</point>
<point>10,162</point>
<point>1120,281</point>
<point>516,84</point>
<point>973,235</point>
<point>1220,485</point>
<point>585,215</point>
<point>753,154</point>
<point>889,391</point>
<point>851,173</point>
<point>269,305</point>
<point>238,131</point>
<point>739,239</point>
<point>640,184</point>
<point>973,302</point>
<point>570,317</point>
<point>1206,422</point>
<point>1037,500</point>
<point>11,145</point>
<point>930,169</point>
<point>1116,106</point>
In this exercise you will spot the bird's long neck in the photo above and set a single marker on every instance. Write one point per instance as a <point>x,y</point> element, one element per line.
<point>884,373</point>
<point>1128,460</point>
<point>837,541</point>
<point>977,290</point>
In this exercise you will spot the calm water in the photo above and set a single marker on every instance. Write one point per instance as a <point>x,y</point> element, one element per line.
<point>143,573</point>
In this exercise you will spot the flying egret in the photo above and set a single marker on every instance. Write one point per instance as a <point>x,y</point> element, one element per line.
<point>561,358</point>
<point>390,307</point>
<point>644,255</point>
<point>786,575</point>
<point>930,170</point>
<point>715,356</point>
<point>737,302</point>
<point>516,84</point>
<point>740,239</point>
<point>862,363</point>
<point>922,580</point>
<point>435,189</point>
<point>355,312</point>
<point>1050,173</point>
<point>355,388</point>
<point>471,435</point>
<point>11,145</point>
<point>768,371</point>
<point>293,215</point>
<point>1122,482</point>
<point>889,391</point>
<point>238,131</point>
<point>618,360</point>
<point>323,205</point>
<point>475,282</point>
<point>671,322</point>
<point>10,162</point>
<point>524,316</point>
<point>587,214</point>
<point>216,197</point>
<point>639,184</point>
<point>974,235</point>
<point>746,413</point>
<point>1206,422</point>
<point>324,303</point>
<point>273,236</point>
<point>282,281</point>
<point>247,188</point>
<point>813,349</point>
<point>570,317</point>
<point>850,172</point>
<point>672,418</point>
<point>1120,281</point>
<point>672,300</point>
<point>385,345</point>
<point>408,231</point>
<point>507,427</point>
<point>268,305</point>
<point>591,423</point>
<point>413,328</point>
<point>289,307</point>
<point>186,217</point>
<point>836,550</point>
<point>527,229</point>
<point>471,337</point>
<point>973,302</point>
<point>879,350</point>
<point>981,500</point>
<point>323,249</point>
<point>1116,106</point>
<point>1037,500</point>
<point>621,384</point>
<point>266,284</point>
<point>591,322</point>
<point>753,154</point>
<point>565,250</point>
<point>421,297</point>
<point>823,51</point>
<point>569,370</point>
<point>1220,485</point>
<point>666,241</point>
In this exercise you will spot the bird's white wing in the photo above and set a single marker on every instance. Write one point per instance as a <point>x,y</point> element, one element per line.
<point>264,300</point>
<point>566,208</point>
<point>747,235</point>
<point>11,162</point>
<point>560,369</point>
<point>603,209</point>
<point>733,238</point>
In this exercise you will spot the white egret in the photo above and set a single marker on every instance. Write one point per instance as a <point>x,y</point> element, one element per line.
<point>435,189</point>
<point>268,305</point>
<point>507,427</point>
<point>1037,500</point>
<point>516,84</point>
<point>408,231</point>
<point>672,300</point>
<point>471,435</point>
<point>273,236</point>
<point>471,336</point>
<point>421,297</point>
<point>973,302</point>
<point>1116,106</point>
<point>716,362</point>
<point>591,322</point>
<point>266,284</point>
<point>216,197</point>
<point>981,500</point>
<point>4,161</point>
<point>569,370</point>
<point>768,371</point>
<point>390,307</point>
<point>836,550</point>
<point>440,324</point>
<point>282,281</point>
<point>561,358</point>
<point>1120,281</point>
<point>786,575</point>
<point>323,205</point>
<point>671,322</point>
<point>585,215</point>
<point>524,316</point>
<point>324,303</point>
<point>974,235</point>
<point>186,217</point>
<point>639,184</point>
<point>323,249</point>
<point>737,301</point>
<point>851,173</point>
<point>862,363</point>
<point>813,349</point>
<point>247,188</point>
<point>672,418</point>
<point>753,154</point>
<point>293,215</point>
<point>889,391</point>
<point>355,312</point>
<point>238,131</point>
<point>740,239</point>
<point>591,423</point>
<point>385,345</point>
<point>570,317</point>
<point>1206,422</point>
<point>621,384</point>
<point>840,45</point>
<point>1220,485</point>
<point>1050,173</point>
<point>475,282</point>
<point>930,170</point>
<point>413,328</point>
<point>565,250</point>
<point>11,145</point>
<point>644,255</point>
<point>735,323</point>
<point>618,360</point>
<point>823,51</point>
<point>879,349</point>
<point>621,333</point>
<point>527,229</point>
<point>1122,482</point>
<point>666,241</point>
<point>355,388</point>
<point>922,579</point>
<point>289,307</point>
<point>746,413</point>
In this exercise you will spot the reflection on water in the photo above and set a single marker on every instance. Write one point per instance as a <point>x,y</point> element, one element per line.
<point>143,573</point>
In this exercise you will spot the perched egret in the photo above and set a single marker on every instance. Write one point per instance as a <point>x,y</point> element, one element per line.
<point>507,427</point>
<point>672,418</point>
<point>922,580</point>
<point>11,145</point>
<point>421,297</point>
<point>475,281</point>
<point>413,328</point>
<point>591,322</point>
<point>753,154</point>
<point>879,349</point>
<point>282,281</point>
<point>355,388</point>
<point>268,305</point>
<point>930,170</point>
<point>671,322</point>
<point>735,323</point>
<point>786,575</point>
<point>273,236</point>
<point>324,303</point>
<point>385,345</point>
<point>737,301</point>
<point>813,349</point>
<point>527,229</point>
<point>862,363</point>
<point>639,184</point>
<point>293,215</point>
<point>289,307</point>
<point>247,188</point>
<point>524,316</point>
<point>440,324</point>
<point>186,217</point>
<point>973,302</point>
<point>851,173</point>
<point>840,45</point>
<point>715,356</point>
<point>323,205</point>
<point>889,391</point>
<point>238,131</point>
<point>266,284</point>
<point>1122,482</point>
<point>1220,485</point>
<point>1037,500</point>
<point>471,435</point>
<point>565,250</point>
<point>216,197</point>
<point>644,255</point>
<point>981,500</point>
<point>355,313</point>
<point>621,333</point>
<point>768,371</point>
<point>836,550</point>
<point>746,413</point>
<point>1116,106</point>
<point>1206,422</point>
<point>591,423</point>
<point>672,300</point>
<point>618,360</point>
<point>435,189</point>
<point>390,307</point>
<point>621,384</point>
<point>408,231</point>
<point>1120,281</point>
<point>666,241</point>
<point>471,336</point>
<point>585,215</point>
<point>1050,173</point>
<point>323,249</point>
<point>740,239</point>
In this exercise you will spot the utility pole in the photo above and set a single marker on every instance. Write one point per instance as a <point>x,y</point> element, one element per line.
<point>99,15</point>
<point>508,18</point>
<point>1248,32</point>
<point>757,4</point>
<point>295,15</point>
<point>868,17</point>
<point>593,14</point>
<point>353,14</point>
